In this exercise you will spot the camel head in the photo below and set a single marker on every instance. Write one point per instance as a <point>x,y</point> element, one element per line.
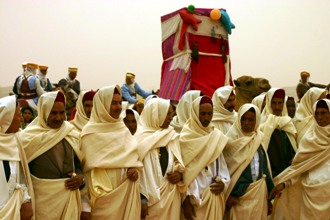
<point>248,87</point>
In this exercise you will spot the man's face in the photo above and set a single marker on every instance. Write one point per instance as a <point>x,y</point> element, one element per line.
<point>205,114</point>
<point>16,122</point>
<point>129,80</point>
<point>57,115</point>
<point>322,116</point>
<point>88,106</point>
<point>304,78</point>
<point>230,104</point>
<point>44,72</point>
<point>115,107</point>
<point>248,122</point>
<point>27,115</point>
<point>130,123</point>
<point>291,106</point>
<point>168,118</point>
<point>277,106</point>
<point>72,75</point>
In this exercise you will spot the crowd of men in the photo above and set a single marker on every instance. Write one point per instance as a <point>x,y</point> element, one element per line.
<point>199,159</point>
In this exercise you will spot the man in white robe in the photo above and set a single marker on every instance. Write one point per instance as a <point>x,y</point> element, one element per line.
<point>83,109</point>
<point>183,109</point>
<point>51,145</point>
<point>224,113</point>
<point>305,185</point>
<point>248,165</point>
<point>159,150</point>
<point>15,183</point>
<point>206,177</point>
<point>111,164</point>
<point>260,101</point>
<point>132,120</point>
<point>304,114</point>
<point>279,131</point>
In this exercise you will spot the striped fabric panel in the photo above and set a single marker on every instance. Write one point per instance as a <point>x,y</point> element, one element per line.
<point>167,47</point>
<point>174,83</point>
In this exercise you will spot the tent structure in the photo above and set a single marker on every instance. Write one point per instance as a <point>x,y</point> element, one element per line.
<point>195,50</point>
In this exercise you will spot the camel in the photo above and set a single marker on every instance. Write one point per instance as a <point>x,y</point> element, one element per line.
<point>248,87</point>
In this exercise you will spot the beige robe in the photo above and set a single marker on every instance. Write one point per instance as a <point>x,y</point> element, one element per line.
<point>270,122</point>
<point>164,200</point>
<point>80,119</point>
<point>38,138</point>
<point>253,204</point>
<point>239,153</point>
<point>222,117</point>
<point>307,193</point>
<point>304,114</point>
<point>200,147</point>
<point>11,151</point>
<point>110,149</point>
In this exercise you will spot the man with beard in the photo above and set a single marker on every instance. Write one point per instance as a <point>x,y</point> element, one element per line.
<point>224,113</point>
<point>51,145</point>
<point>206,177</point>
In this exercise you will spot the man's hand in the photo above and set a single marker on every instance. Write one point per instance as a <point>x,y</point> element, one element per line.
<point>217,187</point>
<point>26,211</point>
<point>174,177</point>
<point>276,191</point>
<point>85,216</point>
<point>132,174</point>
<point>232,201</point>
<point>144,210</point>
<point>74,182</point>
<point>188,209</point>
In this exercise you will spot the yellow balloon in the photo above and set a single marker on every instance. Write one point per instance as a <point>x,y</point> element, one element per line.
<point>215,14</point>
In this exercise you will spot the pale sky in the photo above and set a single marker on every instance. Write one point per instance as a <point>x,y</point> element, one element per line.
<point>275,39</point>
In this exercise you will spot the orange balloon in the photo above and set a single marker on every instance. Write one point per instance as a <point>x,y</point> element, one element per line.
<point>215,14</point>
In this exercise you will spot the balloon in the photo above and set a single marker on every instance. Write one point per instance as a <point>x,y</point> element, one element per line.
<point>191,8</point>
<point>215,14</point>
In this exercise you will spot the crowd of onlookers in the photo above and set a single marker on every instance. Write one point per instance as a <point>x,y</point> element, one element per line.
<point>111,154</point>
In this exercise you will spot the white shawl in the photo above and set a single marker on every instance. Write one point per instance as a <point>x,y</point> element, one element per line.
<point>270,122</point>
<point>220,114</point>
<point>304,113</point>
<point>80,119</point>
<point>183,109</point>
